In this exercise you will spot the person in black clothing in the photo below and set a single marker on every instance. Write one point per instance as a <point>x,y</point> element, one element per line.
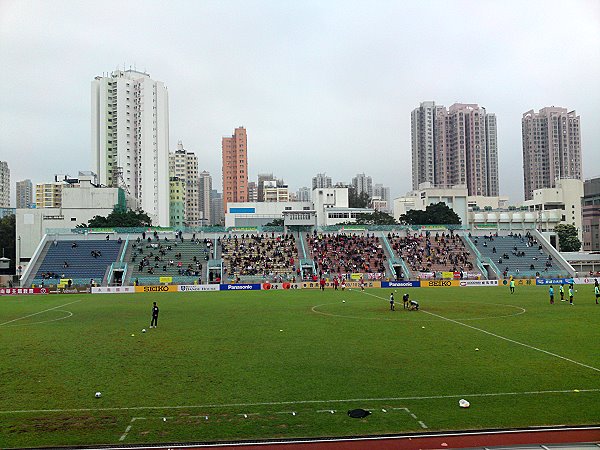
<point>154,320</point>
<point>405,298</point>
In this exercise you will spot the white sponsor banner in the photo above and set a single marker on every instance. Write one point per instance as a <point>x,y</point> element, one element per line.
<point>467,283</point>
<point>114,290</point>
<point>587,280</point>
<point>198,287</point>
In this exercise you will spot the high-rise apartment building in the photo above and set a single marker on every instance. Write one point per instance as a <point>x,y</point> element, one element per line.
<point>383,192</point>
<point>24,194</point>
<point>177,203</point>
<point>455,146</point>
<point>363,183</point>
<point>321,181</point>
<point>184,166</point>
<point>204,197</point>
<point>48,195</point>
<point>235,167</point>
<point>252,191</point>
<point>130,139</point>
<point>260,185</point>
<point>4,185</point>
<point>551,148</point>
<point>217,213</point>
<point>304,194</point>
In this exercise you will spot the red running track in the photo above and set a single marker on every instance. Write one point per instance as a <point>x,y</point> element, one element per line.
<point>416,442</point>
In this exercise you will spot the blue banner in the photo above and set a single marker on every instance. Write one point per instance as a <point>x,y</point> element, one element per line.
<point>400,284</point>
<point>240,287</point>
<point>544,281</point>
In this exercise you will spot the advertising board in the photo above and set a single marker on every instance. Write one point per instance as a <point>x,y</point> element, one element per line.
<point>156,289</point>
<point>349,284</point>
<point>488,283</point>
<point>23,291</point>
<point>240,287</point>
<point>586,280</point>
<point>400,284</point>
<point>165,280</point>
<point>544,281</point>
<point>198,287</point>
<point>518,282</point>
<point>279,286</point>
<point>439,283</point>
<point>114,290</point>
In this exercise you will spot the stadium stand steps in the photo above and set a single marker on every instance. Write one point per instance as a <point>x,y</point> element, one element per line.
<point>79,260</point>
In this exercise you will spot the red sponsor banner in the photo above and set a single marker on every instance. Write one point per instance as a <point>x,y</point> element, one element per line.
<point>23,291</point>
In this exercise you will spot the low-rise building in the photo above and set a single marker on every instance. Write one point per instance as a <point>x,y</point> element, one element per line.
<point>81,201</point>
<point>591,215</point>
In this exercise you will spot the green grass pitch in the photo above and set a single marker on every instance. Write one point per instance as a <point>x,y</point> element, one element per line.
<point>245,365</point>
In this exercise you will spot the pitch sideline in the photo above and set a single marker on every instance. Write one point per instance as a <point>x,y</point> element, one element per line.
<point>299,402</point>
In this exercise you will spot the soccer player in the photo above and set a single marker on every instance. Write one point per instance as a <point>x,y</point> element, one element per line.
<point>343,285</point>
<point>414,305</point>
<point>392,307</point>
<point>154,320</point>
<point>561,289</point>
<point>405,300</point>
<point>571,294</point>
<point>551,292</point>
<point>597,292</point>
<point>362,284</point>
<point>512,286</point>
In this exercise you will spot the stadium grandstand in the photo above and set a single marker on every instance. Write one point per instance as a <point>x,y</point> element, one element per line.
<point>197,256</point>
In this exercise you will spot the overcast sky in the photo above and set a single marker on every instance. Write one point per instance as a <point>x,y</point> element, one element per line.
<point>321,86</point>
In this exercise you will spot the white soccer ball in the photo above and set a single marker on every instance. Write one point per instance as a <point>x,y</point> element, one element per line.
<point>343,301</point>
<point>463,403</point>
<point>98,394</point>
<point>143,330</point>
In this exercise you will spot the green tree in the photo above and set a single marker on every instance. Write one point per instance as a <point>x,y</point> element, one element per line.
<point>356,200</point>
<point>436,214</point>
<point>568,241</point>
<point>275,223</point>
<point>119,218</point>
<point>375,218</point>
<point>8,238</point>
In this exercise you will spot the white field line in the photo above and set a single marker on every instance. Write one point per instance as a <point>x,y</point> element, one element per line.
<point>70,314</point>
<point>40,312</point>
<point>298,402</point>
<point>413,416</point>
<point>503,338</point>
<point>514,342</point>
<point>128,429</point>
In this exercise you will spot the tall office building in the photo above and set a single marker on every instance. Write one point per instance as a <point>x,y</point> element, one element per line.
<point>184,166</point>
<point>455,146</point>
<point>321,181</point>
<point>235,167</point>
<point>363,183</point>
<point>551,148</point>
<point>24,194</point>
<point>4,185</point>
<point>130,138</point>
<point>204,197</point>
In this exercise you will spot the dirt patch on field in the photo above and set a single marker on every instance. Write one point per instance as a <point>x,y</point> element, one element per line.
<point>61,423</point>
